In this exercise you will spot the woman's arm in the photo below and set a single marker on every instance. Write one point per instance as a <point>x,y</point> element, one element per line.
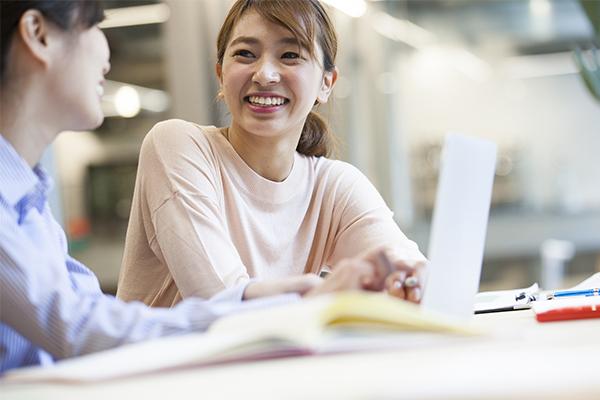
<point>373,272</point>
<point>177,217</point>
<point>364,223</point>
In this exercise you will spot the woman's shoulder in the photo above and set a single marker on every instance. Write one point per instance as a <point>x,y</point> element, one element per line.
<point>177,136</point>
<point>174,131</point>
<point>336,170</point>
<point>347,183</point>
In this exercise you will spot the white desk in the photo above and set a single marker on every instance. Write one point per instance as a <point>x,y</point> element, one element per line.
<point>523,359</point>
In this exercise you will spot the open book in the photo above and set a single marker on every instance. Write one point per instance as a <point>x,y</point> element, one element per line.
<point>343,322</point>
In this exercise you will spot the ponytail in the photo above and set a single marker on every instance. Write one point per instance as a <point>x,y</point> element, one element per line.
<point>316,138</point>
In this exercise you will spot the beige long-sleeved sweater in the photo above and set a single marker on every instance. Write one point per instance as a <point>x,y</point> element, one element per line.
<point>202,220</point>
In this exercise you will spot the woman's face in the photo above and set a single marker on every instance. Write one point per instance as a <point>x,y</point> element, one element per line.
<point>269,83</point>
<point>81,59</point>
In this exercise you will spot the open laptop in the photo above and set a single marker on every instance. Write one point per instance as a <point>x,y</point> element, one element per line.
<point>459,225</point>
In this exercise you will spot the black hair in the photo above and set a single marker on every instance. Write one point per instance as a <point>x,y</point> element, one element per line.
<point>66,14</point>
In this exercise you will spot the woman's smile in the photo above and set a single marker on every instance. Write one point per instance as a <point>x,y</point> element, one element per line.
<point>265,102</point>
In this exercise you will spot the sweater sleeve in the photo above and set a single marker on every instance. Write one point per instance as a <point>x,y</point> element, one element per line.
<point>365,222</point>
<point>182,187</point>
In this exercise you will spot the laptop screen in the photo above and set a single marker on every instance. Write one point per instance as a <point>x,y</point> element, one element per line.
<point>459,225</point>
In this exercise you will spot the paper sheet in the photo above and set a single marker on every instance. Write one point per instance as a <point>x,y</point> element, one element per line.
<point>505,298</point>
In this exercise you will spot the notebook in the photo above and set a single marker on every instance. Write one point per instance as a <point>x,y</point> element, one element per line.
<point>459,225</point>
<point>338,323</point>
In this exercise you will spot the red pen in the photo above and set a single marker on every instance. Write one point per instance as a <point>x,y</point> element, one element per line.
<point>569,313</point>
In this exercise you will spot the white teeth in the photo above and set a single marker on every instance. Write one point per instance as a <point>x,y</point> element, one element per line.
<point>266,101</point>
<point>100,90</point>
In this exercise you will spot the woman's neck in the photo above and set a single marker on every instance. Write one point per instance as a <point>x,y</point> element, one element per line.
<point>21,125</point>
<point>270,157</point>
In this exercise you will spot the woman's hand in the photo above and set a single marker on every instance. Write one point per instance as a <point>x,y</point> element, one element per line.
<point>406,281</point>
<point>348,274</point>
<point>373,272</point>
<point>300,284</point>
<point>400,278</point>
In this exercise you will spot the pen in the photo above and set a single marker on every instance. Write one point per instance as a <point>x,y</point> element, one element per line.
<point>569,293</point>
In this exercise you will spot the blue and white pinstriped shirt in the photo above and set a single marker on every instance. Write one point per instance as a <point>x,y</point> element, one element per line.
<point>51,305</point>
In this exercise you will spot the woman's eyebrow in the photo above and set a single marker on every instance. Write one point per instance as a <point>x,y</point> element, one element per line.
<point>244,39</point>
<point>250,40</point>
<point>289,40</point>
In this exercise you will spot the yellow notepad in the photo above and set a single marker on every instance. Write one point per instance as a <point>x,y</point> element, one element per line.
<point>344,322</point>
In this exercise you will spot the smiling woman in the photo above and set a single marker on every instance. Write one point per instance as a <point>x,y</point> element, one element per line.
<point>258,199</point>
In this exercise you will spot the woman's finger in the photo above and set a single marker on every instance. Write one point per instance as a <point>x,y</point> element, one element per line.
<point>413,294</point>
<point>413,286</point>
<point>394,284</point>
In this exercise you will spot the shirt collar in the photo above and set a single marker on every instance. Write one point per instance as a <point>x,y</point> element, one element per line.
<point>19,183</point>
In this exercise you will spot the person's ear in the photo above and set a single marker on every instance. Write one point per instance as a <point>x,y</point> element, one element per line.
<point>327,84</point>
<point>33,31</point>
<point>219,73</point>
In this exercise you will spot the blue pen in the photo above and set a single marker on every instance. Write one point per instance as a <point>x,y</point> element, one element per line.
<point>569,293</point>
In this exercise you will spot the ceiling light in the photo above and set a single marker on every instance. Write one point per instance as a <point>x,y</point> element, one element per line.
<point>152,100</point>
<point>137,15</point>
<point>127,102</point>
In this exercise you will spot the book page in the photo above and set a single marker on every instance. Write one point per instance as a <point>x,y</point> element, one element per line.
<point>284,330</point>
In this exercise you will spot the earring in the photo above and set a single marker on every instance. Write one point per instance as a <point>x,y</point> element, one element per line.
<point>220,95</point>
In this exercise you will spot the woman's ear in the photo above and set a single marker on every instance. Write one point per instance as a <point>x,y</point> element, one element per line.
<point>33,32</point>
<point>329,79</point>
<point>219,73</point>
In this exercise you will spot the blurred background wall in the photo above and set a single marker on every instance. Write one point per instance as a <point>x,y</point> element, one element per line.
<point>410,71</point>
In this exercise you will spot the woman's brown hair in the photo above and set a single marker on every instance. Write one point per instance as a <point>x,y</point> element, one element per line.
<point>307,20</point>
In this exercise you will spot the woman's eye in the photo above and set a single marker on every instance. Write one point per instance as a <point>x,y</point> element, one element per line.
<point>291,55</point>
<point>243,53</point>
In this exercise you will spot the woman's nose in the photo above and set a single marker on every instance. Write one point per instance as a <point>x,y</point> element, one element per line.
<point>266,74</point>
